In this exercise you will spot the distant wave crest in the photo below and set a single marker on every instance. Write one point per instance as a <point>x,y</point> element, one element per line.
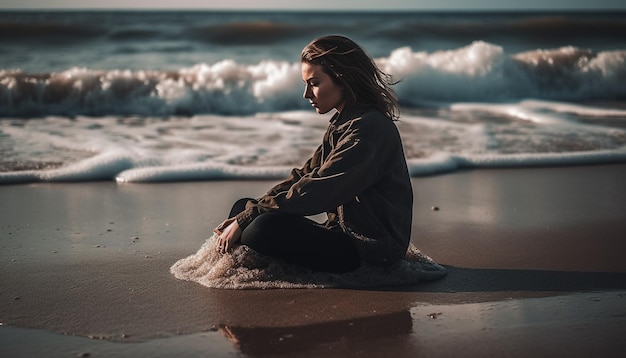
<point>484,72</point>
<point>225,88</point>
<point>478,72</point>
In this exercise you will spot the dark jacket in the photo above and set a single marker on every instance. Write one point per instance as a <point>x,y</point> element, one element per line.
<point>359,177</point>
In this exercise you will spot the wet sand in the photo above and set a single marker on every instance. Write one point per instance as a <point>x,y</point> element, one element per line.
<point>535,260</point>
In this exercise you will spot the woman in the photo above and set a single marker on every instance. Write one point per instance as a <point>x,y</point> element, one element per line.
<point>358,176</point>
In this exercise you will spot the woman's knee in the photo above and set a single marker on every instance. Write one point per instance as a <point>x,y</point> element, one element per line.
<point>238,206</point>
<point>263,233</point>
<point>265,224</point>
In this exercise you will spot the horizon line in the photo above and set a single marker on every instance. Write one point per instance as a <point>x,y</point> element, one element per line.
<point>387,10</point>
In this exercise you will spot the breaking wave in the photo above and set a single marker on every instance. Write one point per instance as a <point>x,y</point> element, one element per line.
<point>480,71</point>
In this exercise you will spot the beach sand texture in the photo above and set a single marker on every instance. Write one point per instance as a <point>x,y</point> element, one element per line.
<point>535,261</point>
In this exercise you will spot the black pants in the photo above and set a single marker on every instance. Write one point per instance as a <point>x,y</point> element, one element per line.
<point>298,240</point>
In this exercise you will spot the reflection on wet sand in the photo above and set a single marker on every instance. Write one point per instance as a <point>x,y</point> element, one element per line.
<point>353,335</point>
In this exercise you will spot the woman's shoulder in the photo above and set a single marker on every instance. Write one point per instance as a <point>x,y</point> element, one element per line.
<point>374,114</point>
<point>373,119</point>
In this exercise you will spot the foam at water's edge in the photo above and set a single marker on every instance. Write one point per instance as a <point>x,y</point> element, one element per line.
<point>266,146</point>
<point>242,268</point>
<point>442,162</point>
<point>200,171</point>
<point>111,166</point>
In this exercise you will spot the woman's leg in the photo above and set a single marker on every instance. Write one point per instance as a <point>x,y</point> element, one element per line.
<point>299,241</point>
<point>238,206</point>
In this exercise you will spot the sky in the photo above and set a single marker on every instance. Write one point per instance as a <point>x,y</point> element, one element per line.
<point>320,5</point>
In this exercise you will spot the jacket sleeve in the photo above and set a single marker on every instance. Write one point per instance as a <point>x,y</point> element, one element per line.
<point>297,173</point>
<point>351,167</point>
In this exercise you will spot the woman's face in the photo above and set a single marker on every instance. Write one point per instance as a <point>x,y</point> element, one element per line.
<point>323,93</point>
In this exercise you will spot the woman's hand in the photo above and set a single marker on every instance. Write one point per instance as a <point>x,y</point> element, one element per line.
<point>229,233</point>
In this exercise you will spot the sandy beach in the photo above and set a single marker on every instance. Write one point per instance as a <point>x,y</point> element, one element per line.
<point>535,261</point>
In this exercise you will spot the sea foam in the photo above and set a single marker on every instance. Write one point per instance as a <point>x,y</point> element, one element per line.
<point>242,268</point>
<point>266,146</point>
<point>484,72</point>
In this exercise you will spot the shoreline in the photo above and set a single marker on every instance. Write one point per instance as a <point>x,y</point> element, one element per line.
<point>92,260</point>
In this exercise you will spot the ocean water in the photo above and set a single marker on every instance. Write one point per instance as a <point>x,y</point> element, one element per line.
<point>171,96</point>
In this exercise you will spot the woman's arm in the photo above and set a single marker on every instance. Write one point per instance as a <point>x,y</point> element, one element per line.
<point>297,173</point>
<point>351,167</point>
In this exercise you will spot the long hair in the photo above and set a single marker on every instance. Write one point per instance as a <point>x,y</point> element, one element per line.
<point>353,69</point>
